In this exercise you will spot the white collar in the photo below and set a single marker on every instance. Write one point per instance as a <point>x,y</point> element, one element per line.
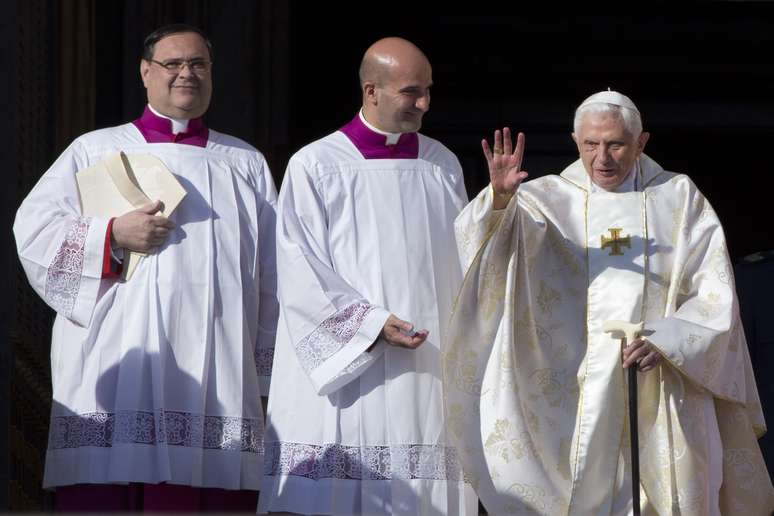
<point>392,138</point>
<point>179,125</point>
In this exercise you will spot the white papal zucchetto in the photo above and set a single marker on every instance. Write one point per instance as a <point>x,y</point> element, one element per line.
<point>610,97</point>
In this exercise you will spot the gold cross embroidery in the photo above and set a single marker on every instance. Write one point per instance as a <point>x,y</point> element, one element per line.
<point>616,241</point>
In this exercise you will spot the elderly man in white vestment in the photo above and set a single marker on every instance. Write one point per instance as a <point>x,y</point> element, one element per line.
<point>535,391</point>
<point>367,273</point>
<point>156,390</point>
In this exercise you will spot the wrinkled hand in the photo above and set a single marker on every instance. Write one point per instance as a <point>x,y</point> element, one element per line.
<point>642,353</point>
<point>141,230</point>
<point>395,337</point>
<point>504,162</point>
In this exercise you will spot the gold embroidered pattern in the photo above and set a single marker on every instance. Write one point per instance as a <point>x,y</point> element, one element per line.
<point>461,371</point>
<point>492,289</point>
<point>557,387</point>
<point>509,444</point>
<point>560,247</point>
<point>742,462</point>
<point>548,298</point>
<point>711,306</point>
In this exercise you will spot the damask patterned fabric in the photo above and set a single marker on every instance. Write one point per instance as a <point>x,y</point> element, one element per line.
<point>534,388</point>
<point>355,426</point>
<point>157,379</point>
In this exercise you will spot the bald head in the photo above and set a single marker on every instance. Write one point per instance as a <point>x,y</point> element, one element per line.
<point>395,79</point>
<point>386,55</point>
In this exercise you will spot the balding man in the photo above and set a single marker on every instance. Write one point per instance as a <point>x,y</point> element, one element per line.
<point>367,274</point>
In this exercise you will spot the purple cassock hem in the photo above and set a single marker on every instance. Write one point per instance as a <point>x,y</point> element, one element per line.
<point>156,129</point>
<point>372,145</point>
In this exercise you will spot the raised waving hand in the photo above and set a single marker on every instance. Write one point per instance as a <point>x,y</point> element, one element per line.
<point>504,162</point>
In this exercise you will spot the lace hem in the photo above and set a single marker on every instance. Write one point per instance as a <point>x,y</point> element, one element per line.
<point>331,335</point>
<point>104,429</point>
<point>405,461</point>
<point>63,280</point>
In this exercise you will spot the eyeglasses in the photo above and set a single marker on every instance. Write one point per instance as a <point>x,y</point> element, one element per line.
<point>175,66</point>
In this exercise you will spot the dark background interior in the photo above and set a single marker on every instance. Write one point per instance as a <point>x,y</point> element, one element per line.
<point>285,74</point>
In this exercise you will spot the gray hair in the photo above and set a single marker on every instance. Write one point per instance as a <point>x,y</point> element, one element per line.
<point>631,118</point>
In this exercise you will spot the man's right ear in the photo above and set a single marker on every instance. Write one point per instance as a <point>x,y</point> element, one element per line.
<point>369,92</point>
<point>144,69</point>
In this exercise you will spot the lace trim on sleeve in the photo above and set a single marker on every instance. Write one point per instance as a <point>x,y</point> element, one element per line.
<point>331,335</point>
<point>63,280</point>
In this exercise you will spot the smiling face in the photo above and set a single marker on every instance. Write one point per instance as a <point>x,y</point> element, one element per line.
<point>395,77</point>
<point>184,94</point>
<point>608,151</point>
<point>402,99</point>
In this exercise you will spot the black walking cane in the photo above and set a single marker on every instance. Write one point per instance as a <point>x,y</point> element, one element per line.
<point>629,332</point>
<point>635,439</point>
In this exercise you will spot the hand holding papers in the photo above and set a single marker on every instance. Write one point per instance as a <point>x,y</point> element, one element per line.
<point>121,184</point>
<point>141,230</point>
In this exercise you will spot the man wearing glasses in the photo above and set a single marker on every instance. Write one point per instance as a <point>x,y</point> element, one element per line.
<point>156,389</point>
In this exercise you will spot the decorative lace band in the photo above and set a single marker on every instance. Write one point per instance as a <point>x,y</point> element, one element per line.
<point>63,280</point>
<point>103,430</point>
<point>331,335</point>
<point>404,461</point>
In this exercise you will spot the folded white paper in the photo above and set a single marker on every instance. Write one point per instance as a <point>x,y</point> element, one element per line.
<point>121,183</point>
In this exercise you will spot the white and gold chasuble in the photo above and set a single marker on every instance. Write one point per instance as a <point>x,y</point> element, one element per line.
<point>534,390</point>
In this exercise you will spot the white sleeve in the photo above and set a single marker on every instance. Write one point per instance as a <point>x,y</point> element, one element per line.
<point>475,225</point>
<point>331,325</point>
<point>61,251</point>
<point>703,337</point>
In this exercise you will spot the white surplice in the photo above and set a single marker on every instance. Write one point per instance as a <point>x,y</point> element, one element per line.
<point>355,429</point>
<point>155,379</point>
<point>535,391</point>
